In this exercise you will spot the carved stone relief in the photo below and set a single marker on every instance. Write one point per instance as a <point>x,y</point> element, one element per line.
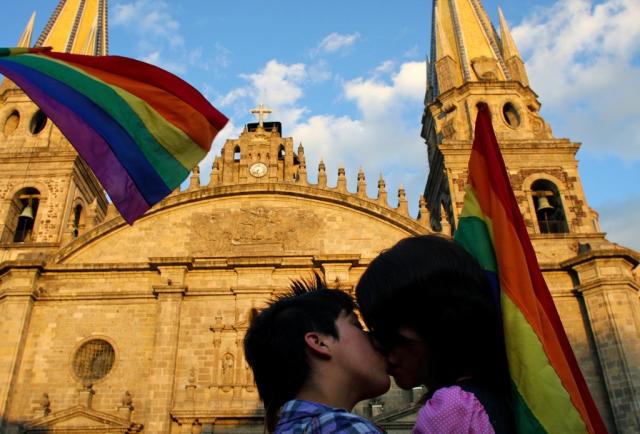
<point>254,230</point>
<point>485,68</point>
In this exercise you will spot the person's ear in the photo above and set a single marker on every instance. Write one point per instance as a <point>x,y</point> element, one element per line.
<point>318,344</point>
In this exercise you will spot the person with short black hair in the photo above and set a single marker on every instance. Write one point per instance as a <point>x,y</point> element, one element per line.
<point>430,309</point>
<point>312,362</point>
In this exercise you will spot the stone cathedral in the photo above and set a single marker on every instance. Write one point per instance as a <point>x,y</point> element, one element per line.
<point>111,328</point>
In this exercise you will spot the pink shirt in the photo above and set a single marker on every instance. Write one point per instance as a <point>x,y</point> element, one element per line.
<point>452,410</point>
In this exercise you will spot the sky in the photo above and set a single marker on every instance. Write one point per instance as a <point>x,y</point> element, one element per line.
<point>347,79</point>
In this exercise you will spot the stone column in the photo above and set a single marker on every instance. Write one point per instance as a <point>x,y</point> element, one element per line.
<point>163,361</point>
<point>16,305</point>
<point>611,298</point>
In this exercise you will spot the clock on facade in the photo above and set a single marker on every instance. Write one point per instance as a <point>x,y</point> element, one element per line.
<point>258,170</point>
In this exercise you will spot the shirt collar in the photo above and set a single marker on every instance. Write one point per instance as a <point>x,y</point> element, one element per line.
<point>299,408</point>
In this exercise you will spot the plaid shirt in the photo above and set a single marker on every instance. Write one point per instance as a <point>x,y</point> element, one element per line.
<point>297,417</point>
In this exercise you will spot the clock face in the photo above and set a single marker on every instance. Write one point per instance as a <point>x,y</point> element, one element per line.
<point>258,170</point>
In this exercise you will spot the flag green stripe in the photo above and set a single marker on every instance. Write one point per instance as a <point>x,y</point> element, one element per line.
<point>110,100</point>
<point>527,422</point>
<point>473,235</point>
<point>179,144</point>
<point>535,378</point>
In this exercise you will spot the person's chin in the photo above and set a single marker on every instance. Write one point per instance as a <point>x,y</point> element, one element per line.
<point>403,382</point>
<point>378,386</point>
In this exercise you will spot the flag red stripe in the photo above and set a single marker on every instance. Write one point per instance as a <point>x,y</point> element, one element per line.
<point>486,145</point>
<point>152,75</point>
<point>173,109</point>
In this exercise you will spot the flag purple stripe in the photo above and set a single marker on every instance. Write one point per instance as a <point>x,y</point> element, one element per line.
<point>95,151</point>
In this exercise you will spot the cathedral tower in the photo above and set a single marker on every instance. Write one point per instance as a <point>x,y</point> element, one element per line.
<point>48,194</point>
<point>472,63</point>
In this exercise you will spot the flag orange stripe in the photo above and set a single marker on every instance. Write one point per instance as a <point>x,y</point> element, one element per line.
<point>515,284</point>
<point>172,108</point>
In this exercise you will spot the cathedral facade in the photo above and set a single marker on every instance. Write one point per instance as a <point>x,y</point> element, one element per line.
<point>107,327</point>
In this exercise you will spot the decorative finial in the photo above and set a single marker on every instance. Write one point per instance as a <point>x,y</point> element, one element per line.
<point>403,207</point>
<point>260,113</point>
<point>342,180</point>
<point>194,181</point>
<point>301,177</point>
<point>445,226</point>
<point>322,174</point>
<point>215,172</point>
<point>382,191</point>
<point>423,217</point>
<point>362,184</point>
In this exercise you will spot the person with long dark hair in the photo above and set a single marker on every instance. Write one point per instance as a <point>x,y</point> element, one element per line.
<point>429,308</point>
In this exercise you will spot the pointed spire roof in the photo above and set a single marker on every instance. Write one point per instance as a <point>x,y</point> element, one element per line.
<point>509,48</point>
<point>25,39</point>
<point>443,47</point>
<point>77,26</point>
<point>463,31</point>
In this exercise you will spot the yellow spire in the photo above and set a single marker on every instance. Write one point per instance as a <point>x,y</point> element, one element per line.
<point>510,53</point>
<point>443,48</point>
<point>509,48</point>
<point>77,26</point>
<point>25,39</point>
<point>463,29</point>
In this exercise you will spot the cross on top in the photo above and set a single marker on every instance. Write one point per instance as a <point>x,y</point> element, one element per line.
<point>260,111</point>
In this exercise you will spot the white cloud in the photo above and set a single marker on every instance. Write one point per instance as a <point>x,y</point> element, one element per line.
<point>155,58</point>
<point>582,59</point>
<point>616,222</point>
<point>150,19</point>
<point>383,137</point>
<point>379,139</point>
<point>335,41</point>
<point>378,99</point>
<point>160,40</point>
<point>279,86</point>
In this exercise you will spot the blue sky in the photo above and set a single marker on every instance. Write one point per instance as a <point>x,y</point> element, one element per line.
<point>346,78</point>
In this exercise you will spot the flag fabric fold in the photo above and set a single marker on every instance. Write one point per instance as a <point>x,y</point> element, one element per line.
<point>140,128</point>
<point>550,393</point>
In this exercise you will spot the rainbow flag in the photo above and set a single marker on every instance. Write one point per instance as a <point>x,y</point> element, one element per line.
<point>141,129</point>
<point>550,393</point>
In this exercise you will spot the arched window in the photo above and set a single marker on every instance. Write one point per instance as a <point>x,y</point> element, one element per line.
<point>11,123</point>
<point>236,154</point>
<point>38,122</point>
<point>281,153</point>
<point>511,115</point>
<point>77,217</point>
<point>28,200</point>
<point>548,207</point>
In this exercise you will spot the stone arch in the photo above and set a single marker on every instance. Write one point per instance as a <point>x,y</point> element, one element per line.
<point>14,207</point>
<point>77,217</point>
<point>273,216</point>
<point>512,114</point>
<point>548,207</point>
<point>281,152</point>
<point>23,215</point>
<point>38,122</point>
<point>237,154</point>
<point>531,205</point>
